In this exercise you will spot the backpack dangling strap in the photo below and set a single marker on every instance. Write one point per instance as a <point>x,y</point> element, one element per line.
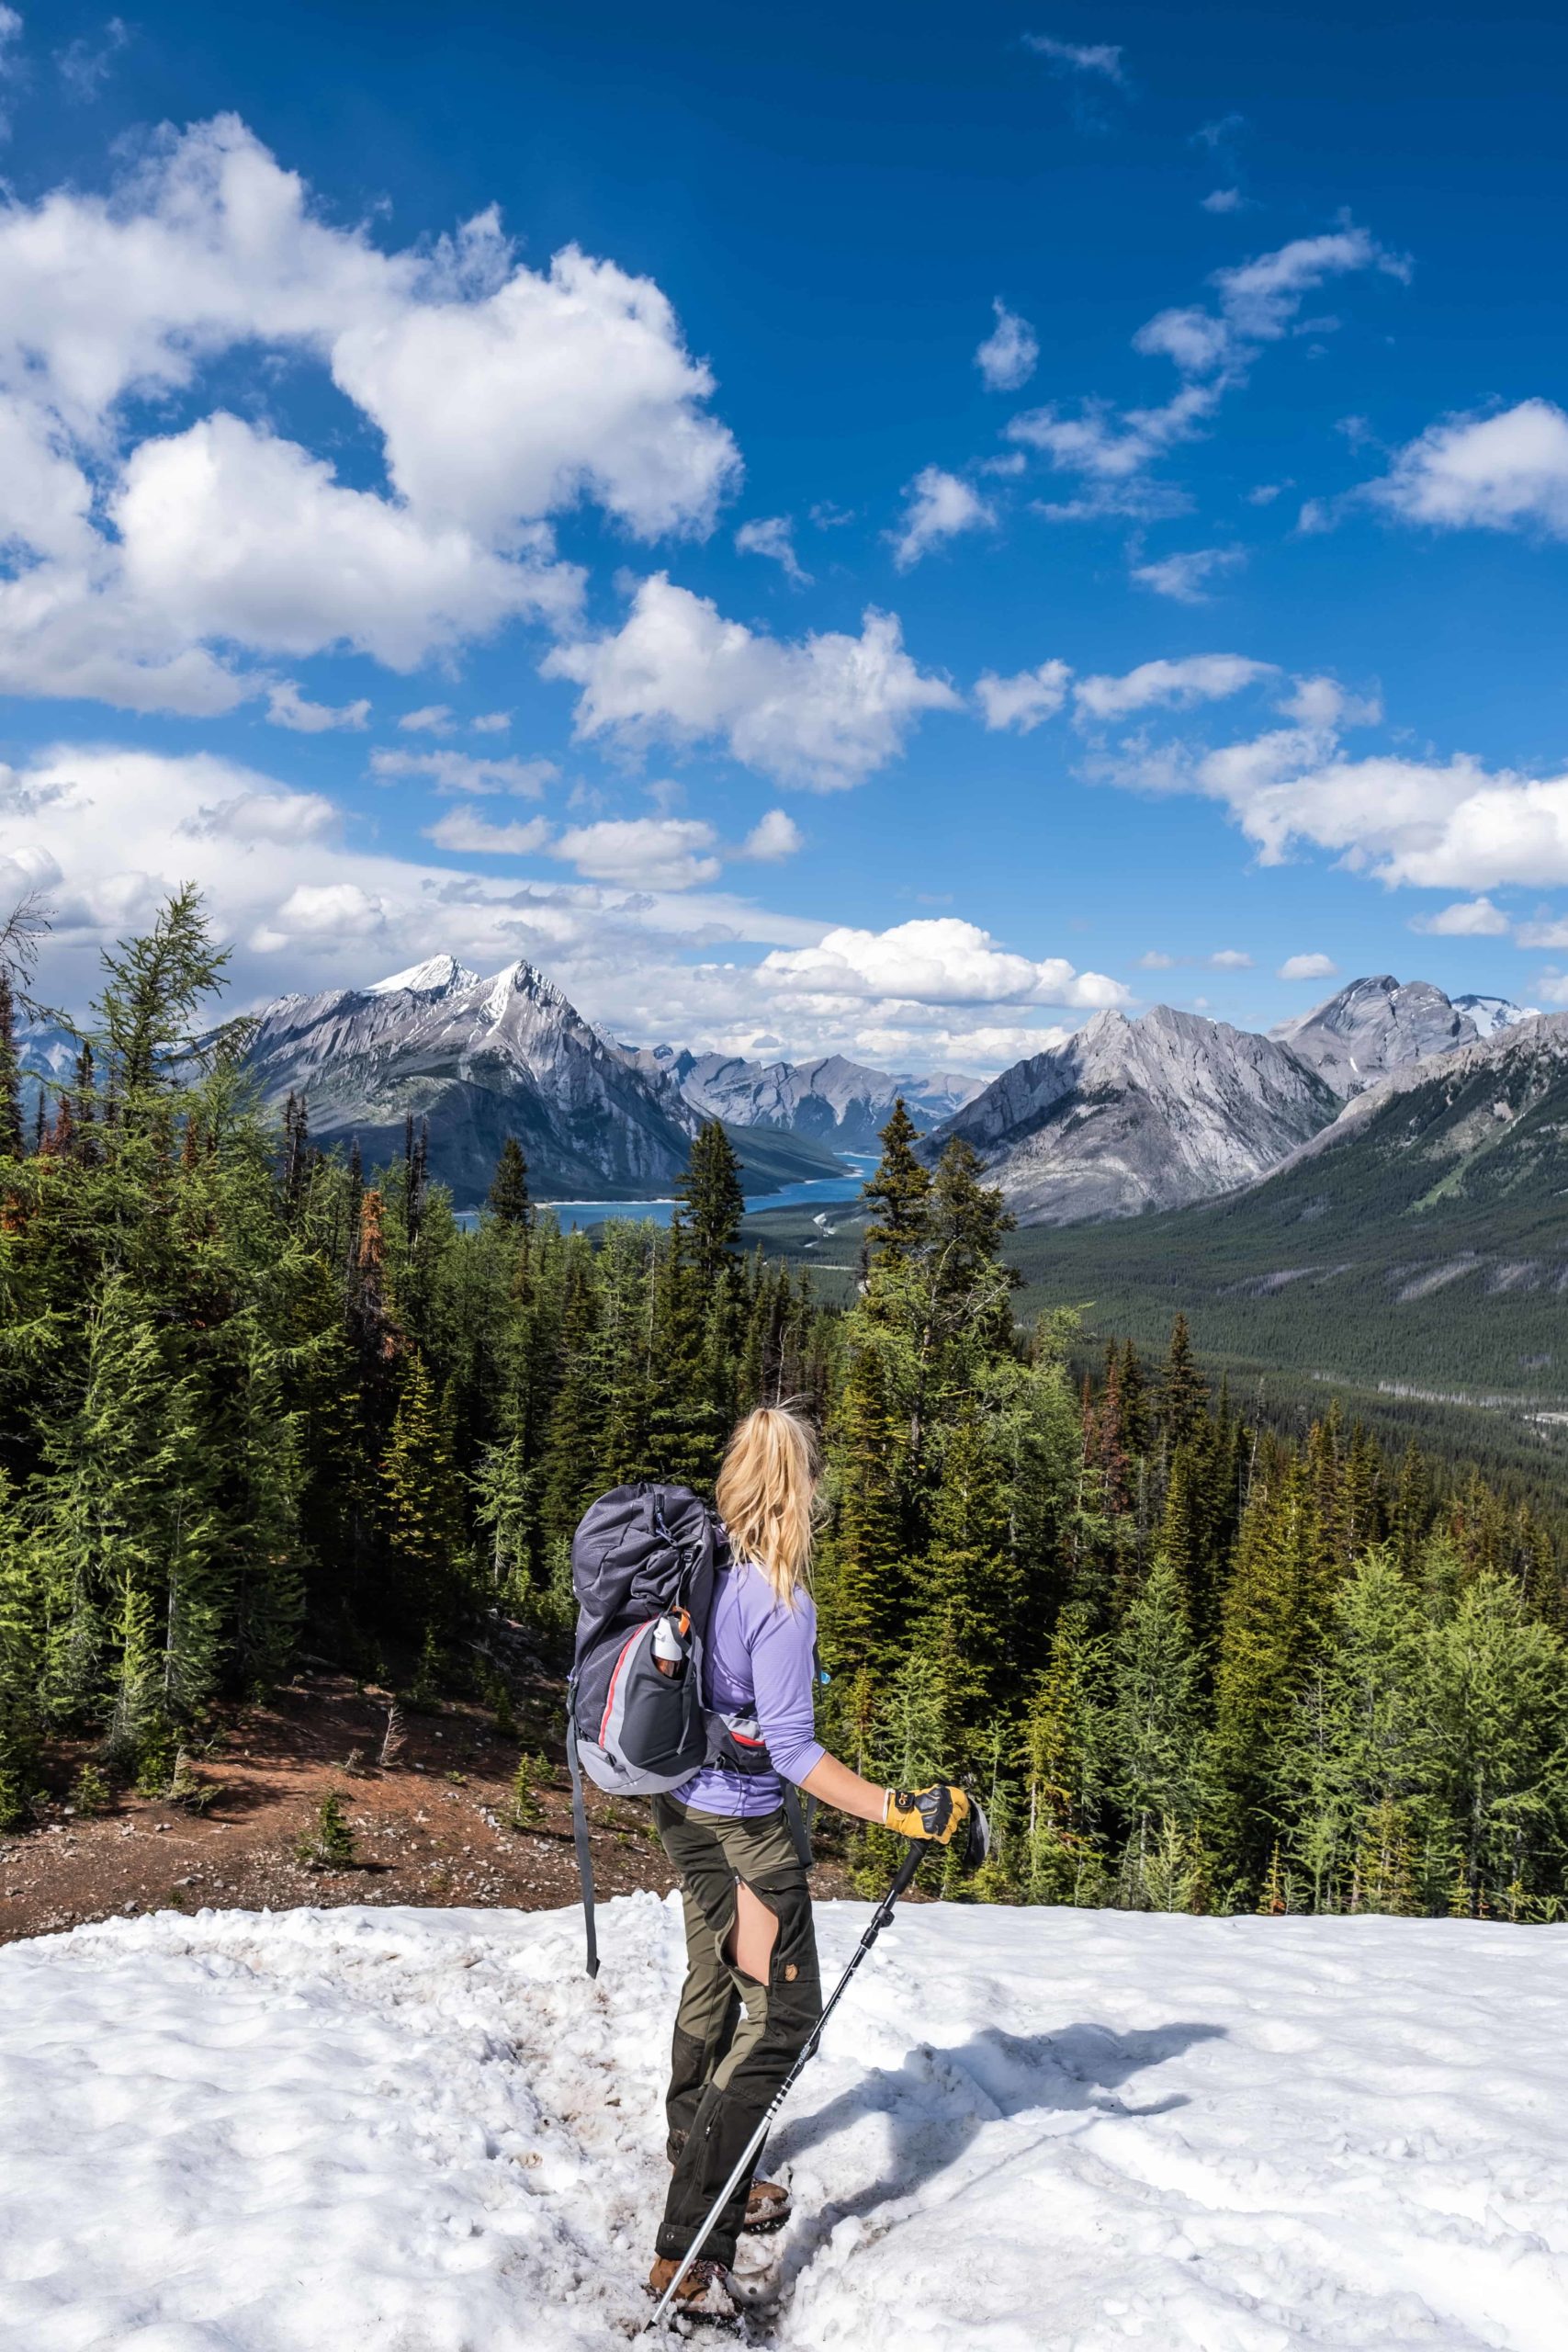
<point>798,1824</point>
<point>580,1836</point>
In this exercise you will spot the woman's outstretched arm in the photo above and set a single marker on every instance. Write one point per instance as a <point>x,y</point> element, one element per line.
<point>833,1783</point>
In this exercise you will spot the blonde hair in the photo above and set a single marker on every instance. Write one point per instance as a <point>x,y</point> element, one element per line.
<point>765,1495</point>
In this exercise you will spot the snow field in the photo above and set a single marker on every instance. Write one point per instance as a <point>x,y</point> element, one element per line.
<point>401,2131</point>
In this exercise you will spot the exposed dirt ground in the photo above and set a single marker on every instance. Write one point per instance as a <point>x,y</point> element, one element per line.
<point>430,1827</point>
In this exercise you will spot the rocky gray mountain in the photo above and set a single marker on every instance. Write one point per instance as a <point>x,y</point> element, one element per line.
<point>838,1102</point>
<point>481,1059</point>
<point>1129,1115</point>
<point>1380,1024</point>
<point>1462,1108</point>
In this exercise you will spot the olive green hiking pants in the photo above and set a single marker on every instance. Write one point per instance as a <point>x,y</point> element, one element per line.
<point>735,2039</point>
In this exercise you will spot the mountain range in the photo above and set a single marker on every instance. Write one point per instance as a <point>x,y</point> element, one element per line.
<point>841,1104</point>
<point>1128,1116</point>
<point>1125,1117</point>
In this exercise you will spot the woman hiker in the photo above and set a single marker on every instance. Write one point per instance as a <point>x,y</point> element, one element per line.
<point>752,1992</point>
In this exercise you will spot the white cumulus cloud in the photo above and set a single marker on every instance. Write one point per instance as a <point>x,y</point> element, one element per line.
<point>823,710</point>
<point>1007,357</point>
<point>1307,968</point>
<point>151,564</point>
<point>1465,919</point>
<point>934,960</point>
<point>1025,700</point>
<point>644,853</point>
<point>772,838</point>
<point>1506,472</point>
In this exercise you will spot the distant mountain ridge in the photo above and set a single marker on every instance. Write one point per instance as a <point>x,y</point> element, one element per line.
<point>1378,1024</point>
<point>1130,1115</point>
<point>1135,1116</point>
<point>838,1102</point>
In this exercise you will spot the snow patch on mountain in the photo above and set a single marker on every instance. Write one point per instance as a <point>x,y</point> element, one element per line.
<point>407,2130</point>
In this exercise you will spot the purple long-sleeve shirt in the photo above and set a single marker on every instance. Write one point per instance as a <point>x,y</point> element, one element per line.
<point>760,1655</point>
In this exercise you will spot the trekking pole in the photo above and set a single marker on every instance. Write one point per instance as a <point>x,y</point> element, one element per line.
<point>918,1848</point>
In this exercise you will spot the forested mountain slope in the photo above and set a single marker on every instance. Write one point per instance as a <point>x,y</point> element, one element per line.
<point>1421,1241</point>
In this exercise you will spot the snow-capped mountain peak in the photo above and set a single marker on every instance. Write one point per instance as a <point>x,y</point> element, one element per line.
<point>1490,1013</point>
<point>438,975</point>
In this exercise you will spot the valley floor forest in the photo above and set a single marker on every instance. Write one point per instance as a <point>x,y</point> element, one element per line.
<point>257,1400</point>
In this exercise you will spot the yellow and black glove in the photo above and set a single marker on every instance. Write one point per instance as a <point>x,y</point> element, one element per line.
<point>937,1814</point>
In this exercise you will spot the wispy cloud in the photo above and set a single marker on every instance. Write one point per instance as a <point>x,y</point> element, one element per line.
<point>461,772</point>
<point>1213,347</point>
<point>1101,58</point>
<point>1185,578</point>
<point>85,65</point>
<point>287,706</point>
<point>771,536</point>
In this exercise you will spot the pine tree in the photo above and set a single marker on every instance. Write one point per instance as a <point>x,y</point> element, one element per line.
<point>1183,1395</point>
<point>1498,1701</point>
<point>10,1076</point>
<point>863,1589</point>
<point>899,1194</point>
<point>1068,1740</point>
<point>711,1203</point>
<point>508,1199</point>
<point>420,1520</point>
<point>1157,1729</point>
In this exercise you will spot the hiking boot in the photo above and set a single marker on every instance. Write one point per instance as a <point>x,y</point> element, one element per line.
<point>703,2293</point>
<point>767,2207</point>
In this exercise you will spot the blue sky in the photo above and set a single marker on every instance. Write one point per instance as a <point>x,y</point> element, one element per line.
<point>895,528</point>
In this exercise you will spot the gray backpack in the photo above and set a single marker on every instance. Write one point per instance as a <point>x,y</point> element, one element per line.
<point>645,1561</point>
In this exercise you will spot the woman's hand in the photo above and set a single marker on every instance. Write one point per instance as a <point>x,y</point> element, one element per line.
<point>937,1814</point>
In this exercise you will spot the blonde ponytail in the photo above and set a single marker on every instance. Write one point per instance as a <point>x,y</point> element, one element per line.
<point>765,1493</point>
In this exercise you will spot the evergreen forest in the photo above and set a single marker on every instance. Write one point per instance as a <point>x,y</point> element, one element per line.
<point>255,1401</point>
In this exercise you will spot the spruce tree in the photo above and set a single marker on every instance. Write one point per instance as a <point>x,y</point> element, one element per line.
<point>711,1205</point>
<point>420,1521</point>
<point>899,1194</point>
<point>508,1199</point>
<point>1157,1728</point>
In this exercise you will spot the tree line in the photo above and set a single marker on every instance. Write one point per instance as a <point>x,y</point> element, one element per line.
<point>255,1399</point>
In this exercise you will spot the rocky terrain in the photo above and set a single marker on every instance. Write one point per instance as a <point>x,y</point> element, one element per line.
<point>1380,1024</point>
<point>1130,1115</point>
